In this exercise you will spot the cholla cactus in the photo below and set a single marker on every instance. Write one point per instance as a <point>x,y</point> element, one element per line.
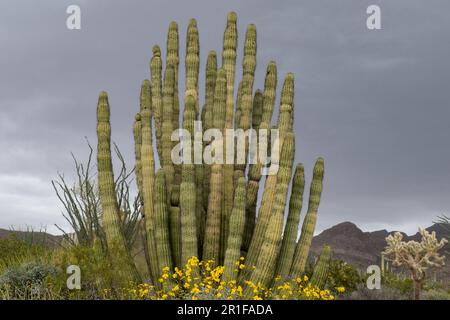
<point>416,256</point>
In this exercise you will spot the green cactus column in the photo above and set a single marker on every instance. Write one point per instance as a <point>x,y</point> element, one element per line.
<point>237,224</point>
<point>175,235</point>
<point>229,65</point>
<point>189,219</point>
<point>309,224</point>
<point>162,235</point>
<point>254,173</point>
<point>148,176</point>
<point>167,127</point>
<point>137,152</point>
<point>156,74</point>
<point>320,273</point>
<point>267,258</point>
<point>117,250</point>
<point>172,59</point>
<point>246,103</point>
<point>293,220</point>
<point>211,243</point>
<point>267,201</point>
<point>211,75</point>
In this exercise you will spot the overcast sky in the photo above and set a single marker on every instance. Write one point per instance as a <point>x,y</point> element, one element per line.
<point>374,104</point>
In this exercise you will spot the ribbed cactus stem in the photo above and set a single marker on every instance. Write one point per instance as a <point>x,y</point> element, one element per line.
<point>211,243</point>
<point>192,62</point>
<point>229,65</point>
<point>117,249</point>
<point>258,101</point>
<point>309,223</point>
<point>172,59</point>
<point>271,180</point>
<point>254,176</point>
<point>148,176</point>
<point>320,273</point>
<point>175,235</point>
<point>246,103</point>
<point>237,224</point>
<point>292,223</point>
<point>167,127</point>
<point>162,235</point>
<point>189,234</point>
<point>265,264</point>
<point>211,75</point>
<point>137,152</point>
<point>156,74</point>
<point>267,259</point>
<point>254,173</point>
<point>269,94</point>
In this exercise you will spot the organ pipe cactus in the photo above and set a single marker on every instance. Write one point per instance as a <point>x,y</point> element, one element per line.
<point>211,243</point>
<point>267,258</point>
<point>309,224</point>
<point>188,192</point>
<point>117,249</point>
<point>292,223</point>
<point>208,210</point>
<point>271,181</point>
<point>162,235</point>
<point>237,224</point>
<point>320,273</point>
<point>148,176</point>
<point>229,66</point>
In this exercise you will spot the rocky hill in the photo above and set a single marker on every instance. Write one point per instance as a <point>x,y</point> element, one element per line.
<point>362,249</point>
<point>33,237</point>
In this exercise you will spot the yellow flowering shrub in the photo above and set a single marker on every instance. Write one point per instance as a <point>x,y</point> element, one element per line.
<point>203,280</point>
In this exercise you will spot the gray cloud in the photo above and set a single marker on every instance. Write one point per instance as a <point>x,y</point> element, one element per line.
<point>373,103</point>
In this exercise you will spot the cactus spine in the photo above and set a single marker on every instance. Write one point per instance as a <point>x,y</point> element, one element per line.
<point>237,224</point>
<point>293,220</point>
<point>309,224</point>
<point>320,273</point>
<point>117,249</point>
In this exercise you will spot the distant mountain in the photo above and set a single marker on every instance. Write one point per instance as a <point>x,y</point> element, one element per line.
<point>44,238</point>
<point>362,249</point>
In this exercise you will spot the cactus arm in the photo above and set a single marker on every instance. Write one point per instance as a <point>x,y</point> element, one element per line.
<point>237,224</point>
<point>309,223</point>
<point>162,235</point>
<point>188,192</point>
<point>156,70</point>
<point>320,273</point>
<point>292,223</point>
<point>117,249</point>
<point>211,243</point>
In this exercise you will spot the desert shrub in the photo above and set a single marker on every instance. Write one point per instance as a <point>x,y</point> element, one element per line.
<point>343,275</point>
<point>384,293</point>
<point>435,294</point>
<point>15,252</point>
<point>403,285</point>
<point>29,281</point>
<point>96,272</point>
